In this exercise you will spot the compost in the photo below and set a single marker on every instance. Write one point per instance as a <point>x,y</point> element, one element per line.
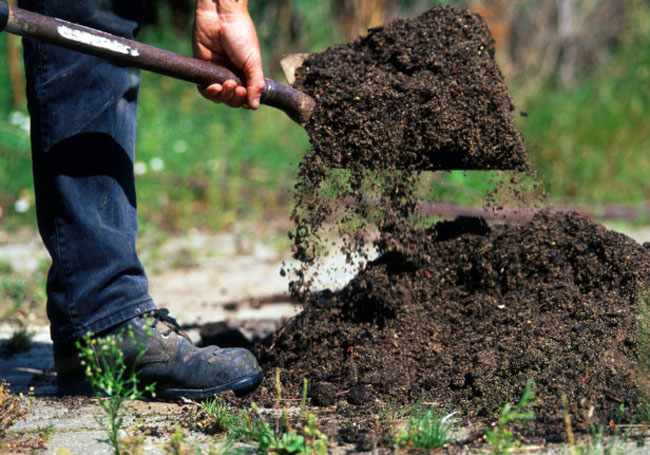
<point>421,93</point>
<point>464,314</point>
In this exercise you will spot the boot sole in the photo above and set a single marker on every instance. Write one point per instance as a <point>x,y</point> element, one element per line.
<point>240,387</point>
<point>78,386</point>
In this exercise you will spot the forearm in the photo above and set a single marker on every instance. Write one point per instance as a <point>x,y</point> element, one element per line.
<point>223,6</point>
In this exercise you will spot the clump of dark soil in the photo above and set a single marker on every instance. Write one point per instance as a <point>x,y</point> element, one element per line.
<point>464,314</point>
<point>421,93</point>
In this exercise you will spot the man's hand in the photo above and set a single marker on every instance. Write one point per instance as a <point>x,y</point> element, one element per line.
<point>224,33</point>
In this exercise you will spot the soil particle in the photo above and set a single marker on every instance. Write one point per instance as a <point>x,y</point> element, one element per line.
<point>323,394</point>
<point>422,93</point>
<point>463,314</point>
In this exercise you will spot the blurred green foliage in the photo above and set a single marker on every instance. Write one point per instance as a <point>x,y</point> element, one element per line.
<point>590,143</point>
<point>201,165</point>
<point>207,165</point>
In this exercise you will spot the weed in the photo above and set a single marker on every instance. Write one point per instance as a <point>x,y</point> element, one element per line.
<point>306,439</point>
<point>267,435</point>
<point>111,379</point>
<point>426,429</point>
<point>501,438</point>
<point>218,416</point>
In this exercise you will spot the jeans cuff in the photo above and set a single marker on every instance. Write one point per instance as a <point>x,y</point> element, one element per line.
<point>122,315</point>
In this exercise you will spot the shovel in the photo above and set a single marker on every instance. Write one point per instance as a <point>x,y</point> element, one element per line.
<point>296,104</point>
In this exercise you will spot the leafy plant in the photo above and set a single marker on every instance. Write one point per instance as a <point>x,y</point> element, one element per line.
<point>426,429</point>
<point>500,438</point>
<point>112,379</point>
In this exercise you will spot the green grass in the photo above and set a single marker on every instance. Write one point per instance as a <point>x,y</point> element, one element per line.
<point>208,166</point>
<point>426,429</point>
<point>256,432</point>
<point>590,143</point>
<point>201,165</point>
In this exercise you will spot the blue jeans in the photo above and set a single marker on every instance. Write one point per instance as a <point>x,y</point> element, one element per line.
<point>83,112</point>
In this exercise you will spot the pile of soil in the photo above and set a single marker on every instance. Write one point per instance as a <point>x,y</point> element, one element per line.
<point>464,314</point>
<point>421,93</point>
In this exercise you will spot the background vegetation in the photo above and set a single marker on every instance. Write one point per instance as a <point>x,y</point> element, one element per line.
<point>579,69</point>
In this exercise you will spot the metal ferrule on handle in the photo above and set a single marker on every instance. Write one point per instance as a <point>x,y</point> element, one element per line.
<point>299,106</point>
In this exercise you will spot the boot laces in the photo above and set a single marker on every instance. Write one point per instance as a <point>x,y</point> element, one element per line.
<point>163,316</point>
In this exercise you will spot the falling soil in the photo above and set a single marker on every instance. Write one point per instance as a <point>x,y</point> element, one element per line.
<point>465,314</point>
<point>421,93</point>
<point>418,94</point>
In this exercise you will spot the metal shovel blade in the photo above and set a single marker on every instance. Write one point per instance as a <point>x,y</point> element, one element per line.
<point>290,64</point>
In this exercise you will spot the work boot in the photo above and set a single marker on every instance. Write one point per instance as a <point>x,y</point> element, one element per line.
<point>163,355</point>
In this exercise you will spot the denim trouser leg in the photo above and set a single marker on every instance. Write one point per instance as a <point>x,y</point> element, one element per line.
<point>83,113</point>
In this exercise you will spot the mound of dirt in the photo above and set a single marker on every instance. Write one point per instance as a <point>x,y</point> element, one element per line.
<point>421,93</point>
<point>464,314</point>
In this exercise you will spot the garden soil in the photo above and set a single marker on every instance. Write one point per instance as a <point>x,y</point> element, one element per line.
<point>464,314</point>
<point>423,93</point>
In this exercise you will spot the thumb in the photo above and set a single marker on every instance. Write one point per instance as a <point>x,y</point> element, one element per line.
<point>255,82</point>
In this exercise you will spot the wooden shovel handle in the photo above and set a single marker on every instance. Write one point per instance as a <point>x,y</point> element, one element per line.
<point>299,106</point>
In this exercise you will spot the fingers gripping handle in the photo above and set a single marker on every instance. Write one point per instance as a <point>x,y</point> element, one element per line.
<point>132,53</point>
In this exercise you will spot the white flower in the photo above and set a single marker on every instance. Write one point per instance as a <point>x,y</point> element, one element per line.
<point>157,164</point>
<point>22,205</point>
<point>180,147</point>
<point>140,168</point>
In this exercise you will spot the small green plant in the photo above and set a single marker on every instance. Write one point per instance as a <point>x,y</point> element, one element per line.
<point>501,439</point>
<point>265,434</point>
<point>306,439</point>
<point>218,416</point>
<point>112,379</point>
<point>426,429</point>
